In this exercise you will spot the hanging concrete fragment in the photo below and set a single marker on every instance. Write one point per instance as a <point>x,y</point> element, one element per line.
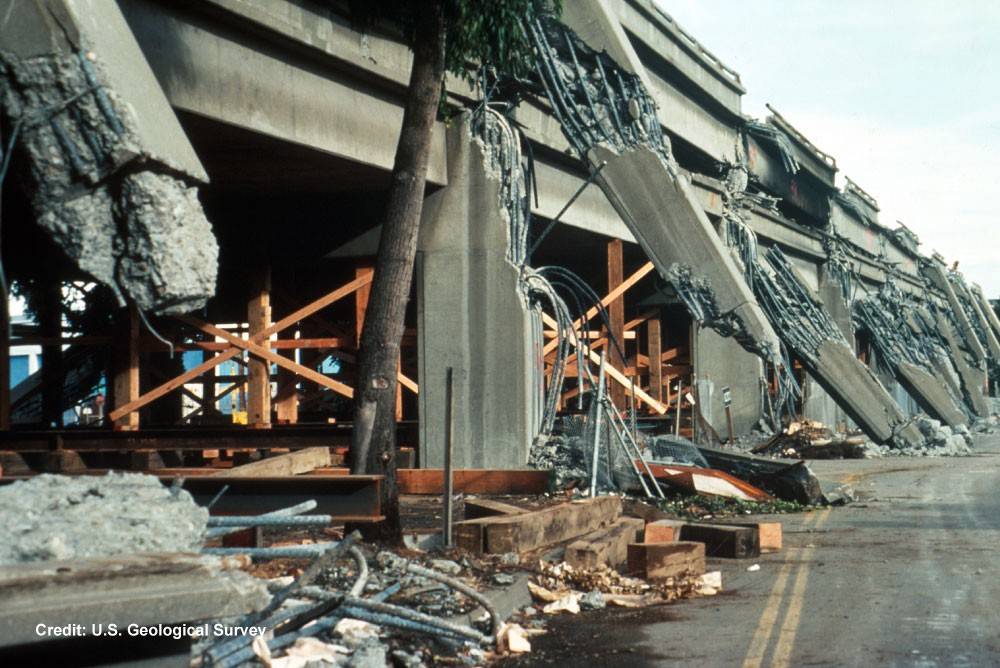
<point>109,172</point>
<point>597,93</point>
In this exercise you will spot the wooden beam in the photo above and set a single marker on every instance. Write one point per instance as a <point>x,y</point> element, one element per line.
<point>52,373</point>
<point>259,370</point>
<point>281,325</point>
<point>266,354</point>
<point>616,316</point>
<point>615,375</point>
<point>4,363</point>
<point>479,508</point>
<point>555,524</point>
<point>610,297</point>
<point>653,352</point>
<point>293,463</point>
<point>606,547</point>
<point>659,561</point>
<point>635,322</point>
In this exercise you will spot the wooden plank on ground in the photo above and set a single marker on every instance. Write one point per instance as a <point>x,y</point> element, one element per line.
<point>658,561</point>
<point>522,533</point>
<point>769,532</point>
<point>663,531</point>
<point>294,463</point>
<point>605,546</point>
<point>731,542</point>
<point>478,508</point>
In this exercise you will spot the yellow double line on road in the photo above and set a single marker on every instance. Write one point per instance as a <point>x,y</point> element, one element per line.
<point>793,615</point>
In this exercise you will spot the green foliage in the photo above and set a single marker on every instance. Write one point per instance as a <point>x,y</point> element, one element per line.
<point>699,507</point>
<point>488,32</point>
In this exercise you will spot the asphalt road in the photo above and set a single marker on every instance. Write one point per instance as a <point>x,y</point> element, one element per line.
<point>907,576</point>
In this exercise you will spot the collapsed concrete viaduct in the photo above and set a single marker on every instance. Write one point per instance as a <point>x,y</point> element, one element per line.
<point>295,117</point>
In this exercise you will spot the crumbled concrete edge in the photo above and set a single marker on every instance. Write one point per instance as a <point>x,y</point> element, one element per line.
<point>129,219</point>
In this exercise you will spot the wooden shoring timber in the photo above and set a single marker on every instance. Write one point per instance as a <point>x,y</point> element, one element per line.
<point>293,463</point>
<point>467,481</point>
<point>344,340</point>
<point>125,367</point>
<point>155,346</point>
<point>529,531</point>
<point>616,316</point>
<point>616,375</point>
<point>610,297</point>
<point>223,356</point>
<point>653,350</point>
<point>267,354</point>
<point>594,335</point>
<point>259,370</point>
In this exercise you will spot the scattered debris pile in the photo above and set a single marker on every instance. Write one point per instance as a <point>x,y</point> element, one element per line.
<point>809,439</point>
<point>671,462</point>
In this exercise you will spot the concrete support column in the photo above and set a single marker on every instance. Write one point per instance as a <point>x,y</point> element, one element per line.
<point>721,362</point>
<point>471,317</point>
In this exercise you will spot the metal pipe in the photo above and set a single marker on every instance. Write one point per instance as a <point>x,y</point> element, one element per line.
<point>297,509</point>
<point>462,588</point>
<point>286,552</point>
<point>449,437</point>
<point>598,407</point>
<point>264,521</point>
<point>552,223</point>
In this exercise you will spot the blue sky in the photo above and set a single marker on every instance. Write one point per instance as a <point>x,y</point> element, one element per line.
<point>904,94</point>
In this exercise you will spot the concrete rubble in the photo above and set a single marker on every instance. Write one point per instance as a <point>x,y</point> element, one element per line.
<point>59,517</point>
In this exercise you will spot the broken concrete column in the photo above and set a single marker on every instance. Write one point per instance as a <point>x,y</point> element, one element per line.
<point>600,93</point>
<point>108,170</point>
<point>471,316</point>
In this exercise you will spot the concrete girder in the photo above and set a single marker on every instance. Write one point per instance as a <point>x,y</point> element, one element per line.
<point>661,210</point>
<point>656,202</point>
<point>856,389</point>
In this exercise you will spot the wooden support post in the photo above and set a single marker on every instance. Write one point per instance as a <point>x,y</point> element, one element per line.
<point>125,365</point>
<point>259,370</point>
<point>616,315</point>
<point>286,398</point>
<point>50,323</point>
<point>653,347</point>
<point>4,363</point>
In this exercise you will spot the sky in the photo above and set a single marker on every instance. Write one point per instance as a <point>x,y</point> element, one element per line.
<point>903,93</point>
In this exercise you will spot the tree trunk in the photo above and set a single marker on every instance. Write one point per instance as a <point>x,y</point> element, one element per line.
<point>373,441</point>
